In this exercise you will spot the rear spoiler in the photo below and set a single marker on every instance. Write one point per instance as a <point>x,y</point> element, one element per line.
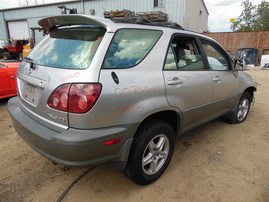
<point>50,23</point>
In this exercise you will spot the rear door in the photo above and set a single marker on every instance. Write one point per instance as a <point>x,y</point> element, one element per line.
<point>188,82</point>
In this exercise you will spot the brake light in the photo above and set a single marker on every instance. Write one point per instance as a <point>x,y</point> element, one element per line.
<point>75,98</point>
<point>82,97</point>
<point>59,98</point>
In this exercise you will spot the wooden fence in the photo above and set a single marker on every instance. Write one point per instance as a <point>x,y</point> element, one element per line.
<point>232,41</point>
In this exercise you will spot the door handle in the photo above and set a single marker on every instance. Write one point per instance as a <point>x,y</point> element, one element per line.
<point>175,81</point>
<point>217,79</point>
<point>12,77</point>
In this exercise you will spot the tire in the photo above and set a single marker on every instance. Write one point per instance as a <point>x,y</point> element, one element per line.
<point>20,57</point>
<point>1,52</point>
<point>151,152</point>
<point>6,56</point>
<point>240,114</point>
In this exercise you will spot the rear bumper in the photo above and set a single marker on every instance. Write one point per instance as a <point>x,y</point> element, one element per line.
<point>73,147</point>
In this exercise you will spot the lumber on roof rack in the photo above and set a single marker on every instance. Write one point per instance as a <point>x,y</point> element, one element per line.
<point>145,21</point>
<point>119,13</point>
<point>154,18</point>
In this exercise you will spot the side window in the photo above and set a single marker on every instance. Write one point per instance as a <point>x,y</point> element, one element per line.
<point>183,55</point>
<point>129,47</point>
<point>216,57</point>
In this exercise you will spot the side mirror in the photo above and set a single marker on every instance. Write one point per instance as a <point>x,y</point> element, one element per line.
<point>239,65</point>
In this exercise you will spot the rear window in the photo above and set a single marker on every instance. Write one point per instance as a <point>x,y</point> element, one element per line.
<point>68,48</point>
<point>129,47</point>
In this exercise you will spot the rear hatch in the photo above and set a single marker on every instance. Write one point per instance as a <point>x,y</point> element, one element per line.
<point>62,63</point>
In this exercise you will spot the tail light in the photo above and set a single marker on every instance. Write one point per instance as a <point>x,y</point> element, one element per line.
<point>75,98</point>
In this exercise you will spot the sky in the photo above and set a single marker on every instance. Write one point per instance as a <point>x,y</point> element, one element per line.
<point>220,11</point>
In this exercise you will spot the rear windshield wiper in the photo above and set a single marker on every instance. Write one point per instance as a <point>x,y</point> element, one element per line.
<point>28,59</point>
<point>32,65</point>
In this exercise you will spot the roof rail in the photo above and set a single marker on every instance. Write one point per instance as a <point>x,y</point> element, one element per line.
<point>145,21</point>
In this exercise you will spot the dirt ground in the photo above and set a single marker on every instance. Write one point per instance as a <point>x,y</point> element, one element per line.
<point>222,162</point>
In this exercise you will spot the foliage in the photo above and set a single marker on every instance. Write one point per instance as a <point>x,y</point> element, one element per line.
<point>263,17</point>
<point>252,17</point>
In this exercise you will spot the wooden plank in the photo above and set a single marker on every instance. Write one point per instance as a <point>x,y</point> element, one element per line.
<point>232,41</point>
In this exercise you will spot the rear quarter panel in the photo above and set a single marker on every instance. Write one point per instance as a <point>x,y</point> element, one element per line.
<point>139,93</point>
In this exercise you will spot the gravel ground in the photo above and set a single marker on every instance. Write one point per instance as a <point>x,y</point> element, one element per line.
<point>216,162</point>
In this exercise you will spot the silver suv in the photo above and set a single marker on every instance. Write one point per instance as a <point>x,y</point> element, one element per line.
<point>96,91</point>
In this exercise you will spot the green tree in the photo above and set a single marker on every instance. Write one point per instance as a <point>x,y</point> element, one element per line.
<point>252,17</point>
<point>262,22</point>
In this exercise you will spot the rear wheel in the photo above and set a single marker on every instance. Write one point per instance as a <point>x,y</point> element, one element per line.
<point>6,56</point>
<point>151,152</point>
<point>241,112</point>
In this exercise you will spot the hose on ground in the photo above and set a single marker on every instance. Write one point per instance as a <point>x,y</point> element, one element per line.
<point>60,198</point>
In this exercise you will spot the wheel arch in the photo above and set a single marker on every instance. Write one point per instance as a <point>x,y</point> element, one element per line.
<point>159,119</point>
<point>230,117</point>
<point>251,91</point>
<point>170,117</point>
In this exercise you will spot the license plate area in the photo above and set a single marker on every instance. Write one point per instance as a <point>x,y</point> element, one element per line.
<point>31,93</point>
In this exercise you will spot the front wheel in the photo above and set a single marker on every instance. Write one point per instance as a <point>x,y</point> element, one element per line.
<point>151,152</point>
<point>241,112</point>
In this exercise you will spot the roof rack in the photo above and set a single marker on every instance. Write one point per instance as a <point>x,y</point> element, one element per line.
<point>145,21</point>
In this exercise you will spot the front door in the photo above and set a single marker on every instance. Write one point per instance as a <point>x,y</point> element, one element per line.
<point>225,82</point>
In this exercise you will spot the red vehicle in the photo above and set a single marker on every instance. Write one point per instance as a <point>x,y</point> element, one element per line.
<point>14,49</point>
<point>8,72</point>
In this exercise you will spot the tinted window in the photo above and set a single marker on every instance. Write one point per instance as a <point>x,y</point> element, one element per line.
<point>129,47</point>
<point>68,48</point>
<point>215,56</point>
<point>183,55</point>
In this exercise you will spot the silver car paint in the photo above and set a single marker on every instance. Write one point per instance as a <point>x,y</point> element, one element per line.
<point>71,147</point>
<point>77,139</point>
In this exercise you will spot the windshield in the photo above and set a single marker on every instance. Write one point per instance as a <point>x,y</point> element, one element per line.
<point>68,48</point>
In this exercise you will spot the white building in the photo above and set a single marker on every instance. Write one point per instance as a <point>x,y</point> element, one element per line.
<point>15,23</point>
